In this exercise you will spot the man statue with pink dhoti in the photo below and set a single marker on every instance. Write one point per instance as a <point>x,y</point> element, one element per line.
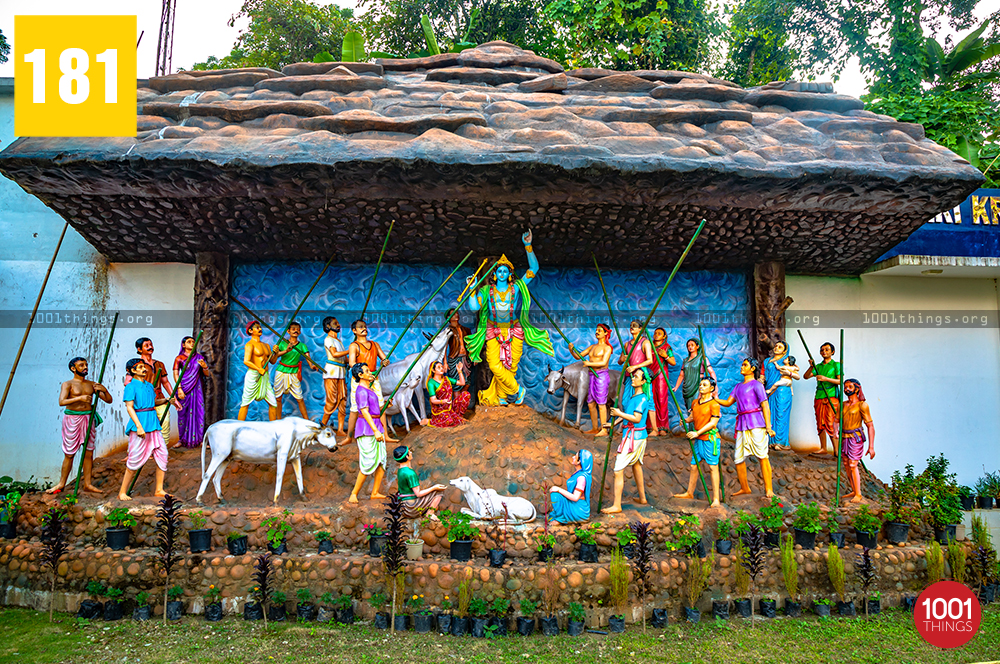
<point>76,396</point>
<point>145,437</point>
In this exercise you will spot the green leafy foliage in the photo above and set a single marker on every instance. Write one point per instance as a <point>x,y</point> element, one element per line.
<point>586,534</point>
<point>119,517</point>
<point>323,535</point>
<point>772,516</point>
<point>576,612</point>
<point>866,522</point>
<point>459,525</point>
<point>4,48</point>
<point>807,518</point>
<point>759,42</point>
<point>278,526</point>
<point>835,570</point>
<point>789,565</point>
<point>478,607</point>
<point>175,593</point>
<point>618,571</point>
<point>527,607</point>
<point>353,48</point>
<point>935,563</point>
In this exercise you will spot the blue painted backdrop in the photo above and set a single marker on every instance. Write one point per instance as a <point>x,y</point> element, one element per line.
<point>573,296</point>
<point>972,230</point>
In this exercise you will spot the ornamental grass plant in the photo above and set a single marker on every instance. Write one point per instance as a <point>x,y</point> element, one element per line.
<point>835,570</point>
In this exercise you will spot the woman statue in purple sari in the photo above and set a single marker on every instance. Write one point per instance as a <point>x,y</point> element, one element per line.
<point>191,416</point>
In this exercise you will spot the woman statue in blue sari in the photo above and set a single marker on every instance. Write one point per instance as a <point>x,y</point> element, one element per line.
<point>572,504</point>
<point>778,377</point>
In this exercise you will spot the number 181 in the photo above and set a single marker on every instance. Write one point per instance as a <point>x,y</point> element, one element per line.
<point>74,63</point>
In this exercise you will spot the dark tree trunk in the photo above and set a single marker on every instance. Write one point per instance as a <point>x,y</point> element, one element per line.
<point>768,304</point>
<point>211,314</point>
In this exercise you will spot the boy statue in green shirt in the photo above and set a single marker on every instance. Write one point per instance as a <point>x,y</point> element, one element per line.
<point>825,404</point>
<point>417,502</point>
<point>288,374</point>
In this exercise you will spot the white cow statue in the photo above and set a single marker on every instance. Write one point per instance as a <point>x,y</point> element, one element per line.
<point>416,379</point>
<point>280,442</point>
<point>487,504</point>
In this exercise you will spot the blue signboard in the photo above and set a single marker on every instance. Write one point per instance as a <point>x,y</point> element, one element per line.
<point>972,229</point>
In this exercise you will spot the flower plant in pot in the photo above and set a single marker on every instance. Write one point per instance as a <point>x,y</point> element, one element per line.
<point>460,533</point>
<point>443,616</point>
<point>324,541</point>
<point>686,535</point>
<point>618,591</point>
<point>119,528</point>
<point>213,604</point>
<point>175,605</point>
<point>375,537</point>
<point>423,617</point>
<point>379,601</point>
<point>866,527</point>
<point>479,610</point>
<point>499,608</point>
<point>985,490</point>
<point>790,575</point>
<point>586,535</point>
<point>626,542</point>
<point>9,506</point>
<point>807,524</point>
<point>577,619</point>
<point>143,609</point>
<point>236,542</point>
<point>835,570</point>
<point>93,608</point>
<point>699,570</point>
<point>278,526</point>
<point>305,610</point>
<point>772,520</point>
<point>199,536</point>
<point>903,493</point>
<point>723,531</point>
<point>114,608</point>
<point>526,621</point>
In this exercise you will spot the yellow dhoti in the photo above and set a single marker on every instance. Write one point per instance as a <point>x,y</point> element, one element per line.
<point>504,383</point>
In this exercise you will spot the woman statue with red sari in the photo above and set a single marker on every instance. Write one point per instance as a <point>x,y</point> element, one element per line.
<point>447,404</point>
<point>191,417</point>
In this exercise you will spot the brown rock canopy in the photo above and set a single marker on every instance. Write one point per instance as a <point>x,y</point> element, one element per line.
<point>464,150</point>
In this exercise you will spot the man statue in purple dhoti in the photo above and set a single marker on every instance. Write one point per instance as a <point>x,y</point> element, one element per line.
<point>191,418</point>
<point>76,396</point>
<point>598,356</point>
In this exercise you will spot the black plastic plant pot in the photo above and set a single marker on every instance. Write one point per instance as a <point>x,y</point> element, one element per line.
<point>306,612</point>
<point>8,530</point>
<point>544,555</point>
<point>805,539</point>
<point>90,610</point>
<point>175,610</point>
<point>253,612</point>
<point>692,615</point>
<point>942,535</point>
<point>908,603</point>
<point>588,553</point>
<point>381,620</point>
<point>616,625</point>
<point>498,557</point>
<point>346,616</point>
<point>768,608</point>
<point>837,539</point>
<point>550,626</point>
<point>720,609</point>
<point>326,546</point>
<point>423,623</point>
<point>660,618</point>
<point>525,626</point>
<point>743,607</point>
<point>325,614</point>
<point>444,623</point>
<point>896,533</point>
<point>874,606</point>
<point>985,502</point>
<point>967,503</point>
<point>142,612</point>
<point>867,540</point>
<point>576,627</point>
<point>821,610</point>
<point>500,623</point>
<point>461,550</point>
<point>629,551</point>
<point>792,609</point>
<point>723,547</point>
<point>375,545</point>
<point>479,627</point>
<point>459,626</point>
<point>213,612</point>
<point>238,546</point>
<point>402,622</point>
<point>113,611</point>
<point>846,608</point>
<point>771,540</point>
<point>200,540</point>
<point>280,549</point>
<point>117,538</point>
<point>277,613</point>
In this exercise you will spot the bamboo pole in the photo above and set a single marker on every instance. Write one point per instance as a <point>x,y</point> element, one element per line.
<point>542,309</point>
<point>296,313</point>
<point>378,266</point>
<point>93,410</point>
<point>840,411</point>
<point>31,319</point>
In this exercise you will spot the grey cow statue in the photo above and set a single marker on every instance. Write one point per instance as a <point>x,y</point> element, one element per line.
<point>574,380</point>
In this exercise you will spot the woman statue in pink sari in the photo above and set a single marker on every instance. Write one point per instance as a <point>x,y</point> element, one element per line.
<point>191,417</point>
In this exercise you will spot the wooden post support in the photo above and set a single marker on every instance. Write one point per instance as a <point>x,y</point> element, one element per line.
<point>211,314</point>
<point>768,303</point>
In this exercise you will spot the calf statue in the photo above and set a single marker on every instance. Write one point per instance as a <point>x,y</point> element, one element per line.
<point>574,379</point>
<point>487,504</point>
<point>415,380</point>
<point>279,441</point>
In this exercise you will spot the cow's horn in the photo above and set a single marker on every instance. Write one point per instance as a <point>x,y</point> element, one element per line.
<point>427,336</point>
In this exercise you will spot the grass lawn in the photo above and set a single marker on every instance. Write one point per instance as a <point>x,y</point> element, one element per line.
<point>26,636</point>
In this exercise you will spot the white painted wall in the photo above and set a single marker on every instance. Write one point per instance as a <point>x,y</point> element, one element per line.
<point>931,390</point>
<point>30,425</point>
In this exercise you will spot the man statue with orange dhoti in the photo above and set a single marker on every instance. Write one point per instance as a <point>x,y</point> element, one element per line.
<point>504,328</point>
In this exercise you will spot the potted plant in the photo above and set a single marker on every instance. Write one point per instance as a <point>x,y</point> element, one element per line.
<point>867,573</point>
<point>835,570</point>
<point>526,621</point>
<point>807,524</point>
<point>723,531</point>
<point>741,579</point>
<point>379,601</point>
<point>588,543</point>
<point>642,565</point>
<point>423,617</point>
<point>278,527</point>
<point>236,542</point>
<point>415,545</point>
<point>833,527</point>
<point>945,511</point>
<point>54,545</point>
<point>618,591</point>
<point>324,541</point>
<point>866,527</point>
<point>460,621</point>
<point>550,596</point>
<point>698,572</point>
<point>175,606</point>
<point>790,574</point>
<point>461,532</point>
<point>113,609</point>
<point>325,612</point>
<point>444,616</point>
<point>984,490</point>
<point>543,545</point>
<point>119,528</point>
<point>344,606</point>
<point>9,506</point>
<point>904,506</point>
<point>376,538</point>
<point>752,560</point>
<point>93,608</point>
<point>253,609</point>
<point>199,536</point>
<point>403,619</point>
<point>143,609</point>
<point>213,604</point>
<point>935,563</point>
<point>479,610</point>
<point>626,542</point>
<point>686,535</point>
<point>772,519</point>
<point>276,610</point>
<point>966,497</point>
<point>496,533</point>
<point>822,607</point>
<point>577,619</point>
<point>499,608</point>
<point>305,610</point>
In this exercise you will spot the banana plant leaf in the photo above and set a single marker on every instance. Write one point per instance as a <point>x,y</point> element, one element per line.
<point>353,49</point>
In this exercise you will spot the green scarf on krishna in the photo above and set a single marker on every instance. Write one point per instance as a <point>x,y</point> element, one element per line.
<point>532,335</point>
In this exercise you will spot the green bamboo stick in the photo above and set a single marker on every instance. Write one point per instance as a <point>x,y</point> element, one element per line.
<point>299,308</point>
<point>93,410</point>
<point>378,266</point>
<point>840,411</point>
<point>542,309</point>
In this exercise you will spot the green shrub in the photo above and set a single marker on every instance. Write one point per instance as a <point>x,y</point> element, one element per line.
<point>119,517</point>
<point>956,559</point>
<point>835,569</point>
<point>807,518</point>
<point>576,612</point>
<point>866,522</point>
<point>789,566</point>
<point>935,563</point>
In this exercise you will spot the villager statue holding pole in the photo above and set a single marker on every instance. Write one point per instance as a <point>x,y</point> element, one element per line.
<point>504,328</point>
<point>856,414</point>
<point>827,375</point>
<point>157,377</point>
<point>598,357</point>
<point>145,437</point>
<point>289,354</point>
<point>753,425</point>
<point>256,383</point>
<point>76,396</point>
<point>632,447</point>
